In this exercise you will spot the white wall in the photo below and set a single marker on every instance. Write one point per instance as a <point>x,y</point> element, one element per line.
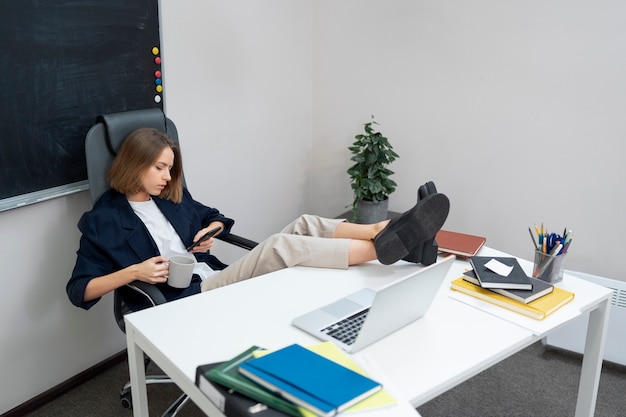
<point>238,86</point>
<point>481,97</point>
<point>46,340</point>
<point>514,109</point>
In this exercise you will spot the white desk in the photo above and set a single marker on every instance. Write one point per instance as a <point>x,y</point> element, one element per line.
<point>452,343</point>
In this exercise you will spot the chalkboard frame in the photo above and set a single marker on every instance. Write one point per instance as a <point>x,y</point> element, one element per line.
<point>42,195</point>
<point>63,63</point>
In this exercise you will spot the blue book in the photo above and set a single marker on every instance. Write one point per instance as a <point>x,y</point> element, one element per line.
<point>310,380</point>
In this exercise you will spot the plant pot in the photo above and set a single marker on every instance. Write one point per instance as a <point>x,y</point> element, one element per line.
<point>368,211</point>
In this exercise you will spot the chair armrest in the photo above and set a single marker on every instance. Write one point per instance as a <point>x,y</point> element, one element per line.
<point>242,242</point>
<point>138,289</point>
<point>149,291</point>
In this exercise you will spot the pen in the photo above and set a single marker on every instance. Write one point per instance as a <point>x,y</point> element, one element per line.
<point>541,269</point>
<point>568,237</point>
<point>532,237</point>
<point>556,250</point>
<point>566,246</point>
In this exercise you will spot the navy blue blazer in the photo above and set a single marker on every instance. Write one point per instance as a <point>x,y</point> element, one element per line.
<point>113,237</point>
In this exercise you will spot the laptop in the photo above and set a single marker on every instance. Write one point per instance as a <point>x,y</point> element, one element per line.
<point>366,316</point>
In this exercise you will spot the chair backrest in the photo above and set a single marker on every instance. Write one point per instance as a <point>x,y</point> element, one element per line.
<point>105,137</point>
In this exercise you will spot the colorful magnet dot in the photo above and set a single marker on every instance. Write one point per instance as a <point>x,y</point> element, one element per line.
<point>157,75</point>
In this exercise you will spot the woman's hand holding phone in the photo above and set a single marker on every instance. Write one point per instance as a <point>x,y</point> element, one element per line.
<point>204,237</point>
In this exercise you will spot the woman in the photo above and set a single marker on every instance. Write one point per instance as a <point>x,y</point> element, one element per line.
<point>148,216</point>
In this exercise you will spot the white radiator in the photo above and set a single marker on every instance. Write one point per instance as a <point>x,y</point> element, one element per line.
<point>572,336</point>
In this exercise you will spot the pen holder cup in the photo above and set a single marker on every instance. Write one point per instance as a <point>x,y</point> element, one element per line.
<point>548,267</point>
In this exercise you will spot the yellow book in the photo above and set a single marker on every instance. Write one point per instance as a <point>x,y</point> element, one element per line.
<point>538,309</point>
<point>330,351</point>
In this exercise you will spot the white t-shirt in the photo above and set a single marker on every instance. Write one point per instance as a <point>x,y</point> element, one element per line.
<point>163,233</point>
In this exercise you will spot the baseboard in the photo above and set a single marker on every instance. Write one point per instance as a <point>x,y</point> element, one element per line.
<point>58,390</point>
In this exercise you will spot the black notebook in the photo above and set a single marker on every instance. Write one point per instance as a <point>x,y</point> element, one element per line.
<point>487,278</point>
<point>540,288</point>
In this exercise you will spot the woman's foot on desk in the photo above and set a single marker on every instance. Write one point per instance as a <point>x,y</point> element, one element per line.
<point>402,235</point>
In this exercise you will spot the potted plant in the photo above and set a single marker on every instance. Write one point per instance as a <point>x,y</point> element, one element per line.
<point>369,176</point>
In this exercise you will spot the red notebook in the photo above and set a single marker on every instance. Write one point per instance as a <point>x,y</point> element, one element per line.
<point>459,244</point>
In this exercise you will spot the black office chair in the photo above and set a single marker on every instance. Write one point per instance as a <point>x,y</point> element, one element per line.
<point>101,145</point>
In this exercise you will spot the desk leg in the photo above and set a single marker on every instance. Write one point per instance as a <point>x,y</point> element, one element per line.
<point>137,375</point>
<point>592,360</point>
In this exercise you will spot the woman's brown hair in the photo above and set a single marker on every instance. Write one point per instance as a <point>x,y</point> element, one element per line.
<point>138,152</point>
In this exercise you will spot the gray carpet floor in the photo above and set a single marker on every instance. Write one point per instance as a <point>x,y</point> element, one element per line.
<point>537,381</point>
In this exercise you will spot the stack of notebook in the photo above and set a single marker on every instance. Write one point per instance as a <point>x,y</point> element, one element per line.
<point>319,380</point>
<point>502,281</point>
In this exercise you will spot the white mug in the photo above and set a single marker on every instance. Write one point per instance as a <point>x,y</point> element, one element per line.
<point>180,271</point>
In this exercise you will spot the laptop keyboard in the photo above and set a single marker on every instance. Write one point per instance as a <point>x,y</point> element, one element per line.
<point>346,330</point>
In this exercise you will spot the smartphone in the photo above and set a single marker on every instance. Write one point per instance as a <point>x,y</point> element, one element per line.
<point>206,236</point>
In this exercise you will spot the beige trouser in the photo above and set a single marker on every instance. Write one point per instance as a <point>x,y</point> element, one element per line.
<point>307,241</point>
